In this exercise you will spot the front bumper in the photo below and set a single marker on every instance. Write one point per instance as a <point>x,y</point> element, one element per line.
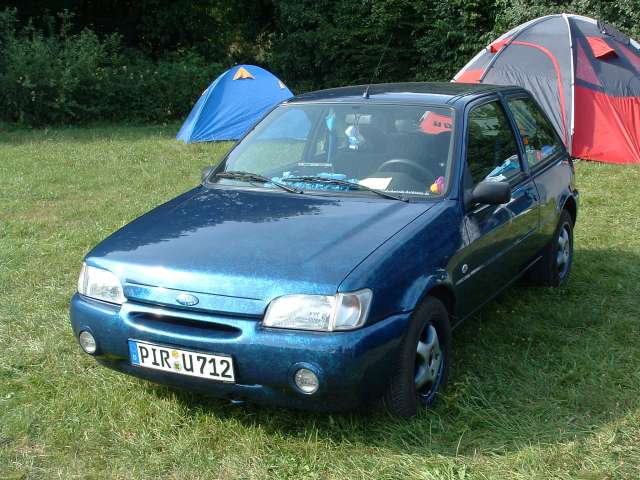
<point>352,366</point>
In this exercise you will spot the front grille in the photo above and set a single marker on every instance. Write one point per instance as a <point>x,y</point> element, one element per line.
<point>187,326</point>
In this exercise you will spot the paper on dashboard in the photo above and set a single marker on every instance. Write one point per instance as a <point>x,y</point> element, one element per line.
<point>378,183</point>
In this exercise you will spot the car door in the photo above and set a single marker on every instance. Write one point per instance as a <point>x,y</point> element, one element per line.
<point>546,157</point>
<point>499,239</point>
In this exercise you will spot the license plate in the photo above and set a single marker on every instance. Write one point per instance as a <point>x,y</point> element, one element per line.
<point>182,362</point>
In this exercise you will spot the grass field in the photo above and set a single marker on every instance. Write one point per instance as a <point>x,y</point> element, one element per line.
<point>546,383</point>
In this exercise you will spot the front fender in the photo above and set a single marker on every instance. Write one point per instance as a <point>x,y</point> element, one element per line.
<point>420,288</point>
<point>411,263</point>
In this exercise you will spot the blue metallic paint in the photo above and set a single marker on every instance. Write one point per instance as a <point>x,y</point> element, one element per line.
<point>236,249</point>
<point>351,365</point>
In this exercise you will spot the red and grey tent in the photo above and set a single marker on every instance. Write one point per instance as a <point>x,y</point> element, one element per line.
<point>584,73</point>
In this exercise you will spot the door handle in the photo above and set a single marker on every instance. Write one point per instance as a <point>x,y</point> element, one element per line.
<point>531,196</point>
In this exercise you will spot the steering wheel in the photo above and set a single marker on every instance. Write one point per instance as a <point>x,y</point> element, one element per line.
<point>415,166</point>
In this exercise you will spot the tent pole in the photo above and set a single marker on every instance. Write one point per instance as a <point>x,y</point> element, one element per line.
<point>572,83</point>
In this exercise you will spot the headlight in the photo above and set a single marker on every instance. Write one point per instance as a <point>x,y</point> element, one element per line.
<point>100,284</point>
<point>343,311</point>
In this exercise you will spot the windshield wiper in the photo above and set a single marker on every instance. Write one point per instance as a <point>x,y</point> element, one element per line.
<point>345,183</point>
<point>255,177</point>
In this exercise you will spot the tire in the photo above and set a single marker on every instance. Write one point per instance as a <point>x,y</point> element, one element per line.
<point>421,361</point>
<point>553,269</point>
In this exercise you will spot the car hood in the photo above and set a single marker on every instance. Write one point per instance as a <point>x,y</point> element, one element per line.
<point>235,250</point>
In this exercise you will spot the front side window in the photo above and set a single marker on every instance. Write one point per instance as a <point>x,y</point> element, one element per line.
<point>492,152</point>
<point>538,136</point>
<point>396,148</point>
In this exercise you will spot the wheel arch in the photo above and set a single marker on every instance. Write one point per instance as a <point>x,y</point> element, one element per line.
<point>444,293</point>
<point>571,206</point>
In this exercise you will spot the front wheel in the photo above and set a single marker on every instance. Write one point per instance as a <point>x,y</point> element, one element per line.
<point>422,366</point>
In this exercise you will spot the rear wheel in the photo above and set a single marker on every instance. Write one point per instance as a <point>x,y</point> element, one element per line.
<point>422,366</point>
<point>553,269</point>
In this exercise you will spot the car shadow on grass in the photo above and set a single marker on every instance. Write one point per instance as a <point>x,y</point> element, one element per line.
<point>537,365</point>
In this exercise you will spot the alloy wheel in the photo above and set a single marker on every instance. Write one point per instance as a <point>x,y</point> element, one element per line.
<point>429,364</point>
<point>563,257</point>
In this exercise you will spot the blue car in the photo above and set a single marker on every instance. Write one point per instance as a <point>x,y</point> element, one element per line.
<point>325,261</point>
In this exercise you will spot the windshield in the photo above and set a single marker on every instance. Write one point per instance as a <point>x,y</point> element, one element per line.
<point>399,149</point>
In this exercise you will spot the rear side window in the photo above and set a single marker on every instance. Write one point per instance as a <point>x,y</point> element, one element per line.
<point>492,152</point>
<point>539,137</point>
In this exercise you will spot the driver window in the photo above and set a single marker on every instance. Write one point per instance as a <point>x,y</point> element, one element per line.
<point>492,152</point>
<point>538,136</point>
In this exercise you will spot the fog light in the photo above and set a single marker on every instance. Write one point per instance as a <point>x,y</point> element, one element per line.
<point>306,381</point>
<point>87,342</point>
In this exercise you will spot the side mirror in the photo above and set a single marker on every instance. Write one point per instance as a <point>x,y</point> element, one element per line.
<point>490,193</point>
<point>206,171</point>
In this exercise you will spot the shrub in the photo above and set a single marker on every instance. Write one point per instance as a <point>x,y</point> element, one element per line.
<point>324,43</point>
<point>57,73</point>
<point>51,76</point>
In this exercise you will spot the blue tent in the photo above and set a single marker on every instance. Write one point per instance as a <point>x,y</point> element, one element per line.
<point>232,104</point>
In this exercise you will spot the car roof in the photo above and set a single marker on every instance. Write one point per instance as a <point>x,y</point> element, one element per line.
<point>409,92</point>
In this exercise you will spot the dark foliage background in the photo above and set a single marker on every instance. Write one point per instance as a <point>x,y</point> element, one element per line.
<point>75,61</point>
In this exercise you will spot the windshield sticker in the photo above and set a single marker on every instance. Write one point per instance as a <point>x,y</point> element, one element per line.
<point>311,164</point>
<point>377,183</point>
<point>408,192</point>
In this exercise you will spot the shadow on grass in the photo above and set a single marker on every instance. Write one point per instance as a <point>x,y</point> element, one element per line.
<point>535,366</point>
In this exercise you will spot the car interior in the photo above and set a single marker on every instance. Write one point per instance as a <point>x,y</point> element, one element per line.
<point>396,148</point>
<point>378,145</point>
